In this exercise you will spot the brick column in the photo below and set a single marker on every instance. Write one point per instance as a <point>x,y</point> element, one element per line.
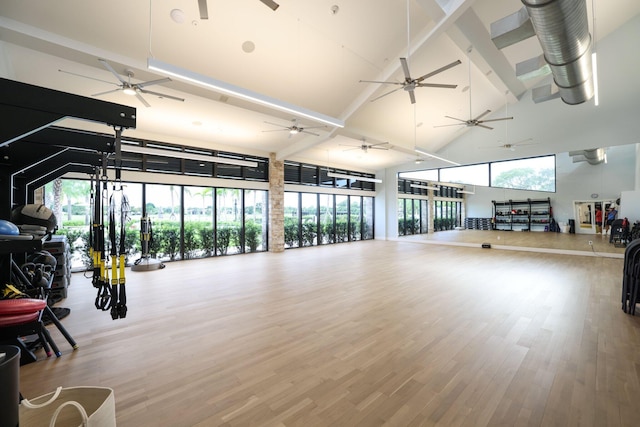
<point>276,204</point>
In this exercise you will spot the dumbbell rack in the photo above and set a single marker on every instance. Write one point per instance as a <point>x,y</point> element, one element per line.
<point>9,248</point>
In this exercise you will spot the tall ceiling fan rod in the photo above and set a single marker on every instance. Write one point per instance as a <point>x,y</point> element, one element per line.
<point>469,66</point>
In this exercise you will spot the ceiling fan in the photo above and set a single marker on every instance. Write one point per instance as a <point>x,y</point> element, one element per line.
<point>127,87</point>
<point>204,12</point>
<point>409,84</point>
<point>294,129</point>
<point>366,147</point>
<point>477,120</point>
<point>512,146</point>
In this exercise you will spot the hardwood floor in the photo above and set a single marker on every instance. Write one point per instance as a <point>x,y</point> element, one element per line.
<point>360,334</point>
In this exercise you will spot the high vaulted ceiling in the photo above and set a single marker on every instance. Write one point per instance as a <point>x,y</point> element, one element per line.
<point>312,54</point>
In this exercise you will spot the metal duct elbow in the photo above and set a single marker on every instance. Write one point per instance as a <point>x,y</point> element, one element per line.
<point>563,31</point>
<point>593,156</point>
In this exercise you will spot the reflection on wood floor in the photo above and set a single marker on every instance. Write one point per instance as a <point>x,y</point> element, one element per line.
<point>562,243</point>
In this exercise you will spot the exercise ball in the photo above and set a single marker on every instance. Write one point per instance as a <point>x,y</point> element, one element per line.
<point>34,215</point>
<point>8,228</point>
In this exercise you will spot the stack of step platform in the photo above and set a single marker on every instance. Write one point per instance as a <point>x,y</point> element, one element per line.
<point>59,247</point>
<point>477,223</point>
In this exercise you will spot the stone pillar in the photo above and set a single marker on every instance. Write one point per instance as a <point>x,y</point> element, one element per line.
<point>276,204</point>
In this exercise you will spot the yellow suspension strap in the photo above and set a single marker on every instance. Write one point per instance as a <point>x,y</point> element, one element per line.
<point>124,214</point>
<point>114,258</point>
<point>97,241</point>
<point>119,296</point>
<point>103,299</point>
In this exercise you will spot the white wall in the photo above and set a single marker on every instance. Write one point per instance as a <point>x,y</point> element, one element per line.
<point>574,181</point>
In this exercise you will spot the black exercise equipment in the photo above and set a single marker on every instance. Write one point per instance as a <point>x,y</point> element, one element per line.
<point>145,262</point>
<point>111,294</point>
<point>631,277</point>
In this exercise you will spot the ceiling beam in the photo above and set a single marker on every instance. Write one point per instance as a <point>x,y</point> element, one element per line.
<point>456,9</point>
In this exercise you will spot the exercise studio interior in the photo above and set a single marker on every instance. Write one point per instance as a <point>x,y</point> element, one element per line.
<point>279,213</point>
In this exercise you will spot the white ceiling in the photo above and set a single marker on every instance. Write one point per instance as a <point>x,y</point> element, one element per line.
<point>304,55</point>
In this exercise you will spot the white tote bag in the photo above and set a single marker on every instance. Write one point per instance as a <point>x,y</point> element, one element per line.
<point>70,407</point>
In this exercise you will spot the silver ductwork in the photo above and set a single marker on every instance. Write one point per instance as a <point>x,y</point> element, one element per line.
<point>563,31</point>
<point>593,156</point>
<point>562,28</point>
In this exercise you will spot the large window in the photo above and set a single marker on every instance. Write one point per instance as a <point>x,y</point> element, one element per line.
<point>198,222</point>
<point>534,173</point>
<point>291,220</point>
<point>472,174</point>
<point>327,218</point>
<point>255,220</point>
<point>164,208</point>
<point>309,219</point>
<point>367,218</point>
<point>229,208</point>
<point>355,218</point>
<point>342,219</point>
<point>537,173</point>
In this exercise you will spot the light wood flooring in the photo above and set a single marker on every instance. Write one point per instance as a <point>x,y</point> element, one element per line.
<point>360,334</point>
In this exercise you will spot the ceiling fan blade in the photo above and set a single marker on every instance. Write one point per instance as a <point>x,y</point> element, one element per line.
<point>313,127</point>
<point>388,93</point>
<point>162,95</point>
<point>310,133</point>
<point>204,12</point>
<point>351,149</point>
<point>455,118</point>
<point>377,148</point>
<point>495,120</point>
<point>270,3</point>
<point>443,86</point>
<point>481,115</point>
<point>277,124</point>
<point>110,68</point>
<point>141,99</point>
<point>377,81</point>
<point>152,82</point>
<point>528,141</point>
<point>275,130</point>
<point>412,96</point>
<point>405,68</point>
<point>439,70</point>
<point>454,124</point>
<point>87,77</point>
<point>106,92</point>
<point>483,126</point>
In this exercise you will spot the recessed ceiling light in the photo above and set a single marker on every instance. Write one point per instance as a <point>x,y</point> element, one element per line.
<point>197,123</point>
<point>177,15</point>
<point>248,46</point>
